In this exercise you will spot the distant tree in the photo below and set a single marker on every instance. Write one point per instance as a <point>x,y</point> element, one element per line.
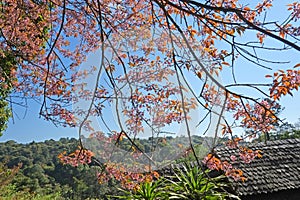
<point>284,131</point>
<point>297,124</point>
<point>7,175</point>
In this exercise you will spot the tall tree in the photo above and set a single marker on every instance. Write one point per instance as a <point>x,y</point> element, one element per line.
<point>151,54</point>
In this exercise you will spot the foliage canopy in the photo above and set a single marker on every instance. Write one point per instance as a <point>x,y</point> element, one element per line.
<point>152,54</point>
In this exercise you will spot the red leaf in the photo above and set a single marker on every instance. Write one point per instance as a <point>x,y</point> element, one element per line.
<point>298,65</point>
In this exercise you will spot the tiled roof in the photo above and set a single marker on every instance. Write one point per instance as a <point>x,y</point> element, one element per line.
<point>277,170</point>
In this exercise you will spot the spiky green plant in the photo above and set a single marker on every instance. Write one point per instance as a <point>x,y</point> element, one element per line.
<point>194,183</point>
<point>146,191</point>
<point>187,182</point>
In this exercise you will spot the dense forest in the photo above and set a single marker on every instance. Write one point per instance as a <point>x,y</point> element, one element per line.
<point>42,176</point>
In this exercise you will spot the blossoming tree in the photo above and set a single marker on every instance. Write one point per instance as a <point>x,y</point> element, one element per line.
<point>160,64</point>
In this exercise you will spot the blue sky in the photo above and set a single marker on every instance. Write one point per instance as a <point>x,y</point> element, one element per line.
<point>32,128</point>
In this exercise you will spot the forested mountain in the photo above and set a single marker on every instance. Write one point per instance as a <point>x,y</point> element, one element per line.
<point>43,176</point>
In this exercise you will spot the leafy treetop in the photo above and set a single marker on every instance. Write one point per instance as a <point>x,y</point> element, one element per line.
<point>146,49</point>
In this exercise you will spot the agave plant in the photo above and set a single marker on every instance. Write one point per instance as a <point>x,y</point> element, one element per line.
<point>146,191</point>
<point>187,182</point>
<point>194,183</point>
